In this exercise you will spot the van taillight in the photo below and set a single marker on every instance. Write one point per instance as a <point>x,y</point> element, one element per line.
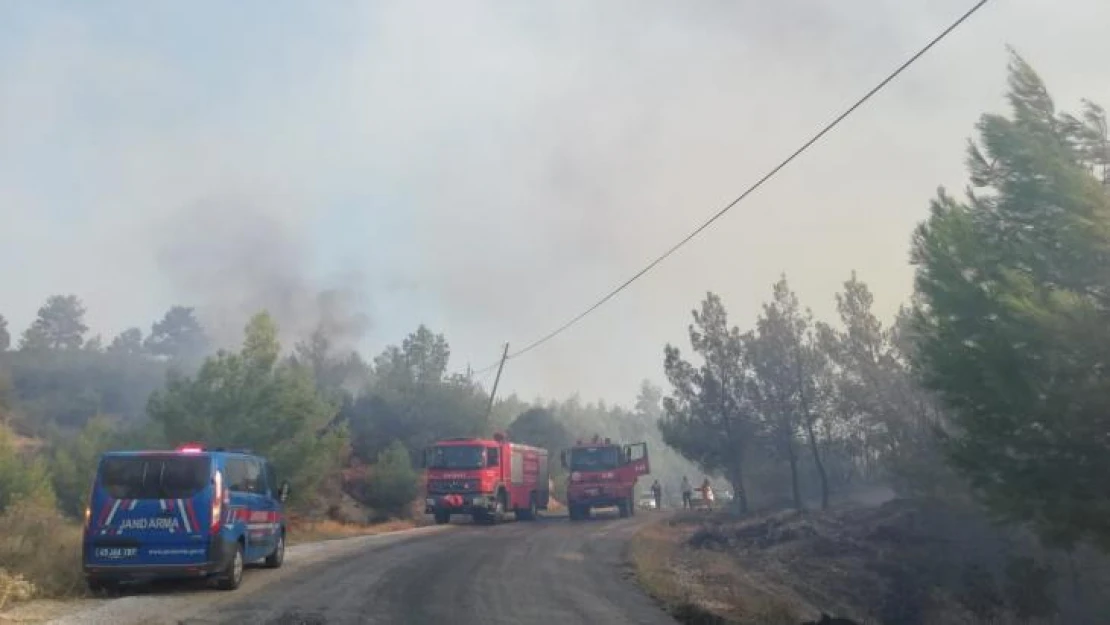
<point>88,505</point>
<point>217,502</point>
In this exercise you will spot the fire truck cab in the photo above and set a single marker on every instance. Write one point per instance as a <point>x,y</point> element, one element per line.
<point>485,479</point>
<point>603,474</point>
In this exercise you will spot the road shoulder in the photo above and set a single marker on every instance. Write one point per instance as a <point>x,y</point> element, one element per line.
<point>133,607</point>
<point>703,586</point>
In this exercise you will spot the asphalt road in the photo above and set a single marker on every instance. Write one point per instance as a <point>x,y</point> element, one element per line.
<point>549,571</point>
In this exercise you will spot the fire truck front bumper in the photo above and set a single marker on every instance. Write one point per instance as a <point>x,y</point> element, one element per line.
<point>595,497</point>
<point>459,503</point>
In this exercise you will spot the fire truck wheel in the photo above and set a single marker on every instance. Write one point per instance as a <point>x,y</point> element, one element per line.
<point>529,513</point>
<point>631,506</point>
<point>442,518</point>
<point>576,513</point>
<point>498,514</point>
<point>622,509</point>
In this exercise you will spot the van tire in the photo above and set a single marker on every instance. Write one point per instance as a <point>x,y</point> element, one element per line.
<point>99,586</point>
<point>275,559</point>
<point>232,576</point>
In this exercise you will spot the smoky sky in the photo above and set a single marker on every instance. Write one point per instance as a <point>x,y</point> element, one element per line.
<point>489,169</point>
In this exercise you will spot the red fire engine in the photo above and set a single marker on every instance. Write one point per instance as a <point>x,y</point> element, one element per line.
<point>603,474</point>
<point>485,479</point>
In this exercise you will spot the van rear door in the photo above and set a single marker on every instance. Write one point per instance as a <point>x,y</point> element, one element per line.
<point>151,510</point>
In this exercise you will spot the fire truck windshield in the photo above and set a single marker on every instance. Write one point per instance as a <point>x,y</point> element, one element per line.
<point>594,458</point>
<point>456,457</point>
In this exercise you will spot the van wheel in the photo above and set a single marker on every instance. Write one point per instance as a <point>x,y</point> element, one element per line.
<point>275,559</point>
<point>232,576</point>
<point>99,586</point>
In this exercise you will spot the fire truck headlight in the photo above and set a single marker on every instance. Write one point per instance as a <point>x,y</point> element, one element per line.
<point>479,501</point>
<point>429,501</point>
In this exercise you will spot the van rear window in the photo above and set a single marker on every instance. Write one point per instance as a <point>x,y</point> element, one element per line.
<point>154,477</point>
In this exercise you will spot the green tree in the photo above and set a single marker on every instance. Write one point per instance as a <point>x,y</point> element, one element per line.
<point>127,343</point>
<point>337,376</point>
<point>709,415</point>
<point>74,462</point>
<point>178,336</point>
<point>250,399</point>
<point>5,335</point>
<point>421,358</point>
<point>1013,297</point>
<point>774,387</point>
<point>60,325</point>
<point>788,382</point>
<point>540,427</point>
<point>411,399</point>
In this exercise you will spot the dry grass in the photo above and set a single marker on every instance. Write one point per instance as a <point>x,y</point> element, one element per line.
<point>40,555</point>
<point>702,587</point>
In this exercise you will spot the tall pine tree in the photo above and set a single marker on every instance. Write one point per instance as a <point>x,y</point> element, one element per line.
<point>1013,318</point>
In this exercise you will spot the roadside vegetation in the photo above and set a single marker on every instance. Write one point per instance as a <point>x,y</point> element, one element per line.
<point>982,405</point>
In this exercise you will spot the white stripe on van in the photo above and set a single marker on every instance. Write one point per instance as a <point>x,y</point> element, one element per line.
<point>112,514</point>
<point>184,516</point>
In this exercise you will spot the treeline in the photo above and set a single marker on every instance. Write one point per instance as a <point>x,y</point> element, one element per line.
<point>992,383</point>
<point>58,375</point>
<point>334,423</point>
<point>800,408</point>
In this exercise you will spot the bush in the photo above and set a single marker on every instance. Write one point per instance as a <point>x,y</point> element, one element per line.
<point>39,553</point>
<point>393,484</point>
<point>21,478</point>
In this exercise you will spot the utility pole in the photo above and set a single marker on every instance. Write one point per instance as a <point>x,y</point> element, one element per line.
<point>493,392</point>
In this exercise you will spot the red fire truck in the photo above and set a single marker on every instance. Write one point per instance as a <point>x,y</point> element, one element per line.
<point>485,479</point>
<point>603,474</point>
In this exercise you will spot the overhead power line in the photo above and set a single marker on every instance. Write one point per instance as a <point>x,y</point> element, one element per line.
<point>758,183</point>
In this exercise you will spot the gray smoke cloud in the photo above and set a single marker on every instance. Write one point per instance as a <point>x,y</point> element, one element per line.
<point>231,259</point>
<point>489,170</point>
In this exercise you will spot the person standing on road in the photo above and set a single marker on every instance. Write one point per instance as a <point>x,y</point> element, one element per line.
<point>657,492</point>
<point>687,494</point>
<point>707,494</point>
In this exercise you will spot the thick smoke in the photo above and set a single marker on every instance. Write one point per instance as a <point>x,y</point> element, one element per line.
<point>231,259</point>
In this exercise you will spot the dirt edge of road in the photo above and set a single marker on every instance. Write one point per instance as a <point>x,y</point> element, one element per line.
<point>699,587</point>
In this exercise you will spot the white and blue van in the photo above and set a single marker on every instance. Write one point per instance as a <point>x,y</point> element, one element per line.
<point>187,513</point>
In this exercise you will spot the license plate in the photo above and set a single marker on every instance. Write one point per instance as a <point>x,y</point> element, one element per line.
<point>116,553</point>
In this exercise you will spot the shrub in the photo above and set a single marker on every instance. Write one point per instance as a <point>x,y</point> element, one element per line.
<point>21,478</point>
<point>393,484</point>
<point>39,552</point>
